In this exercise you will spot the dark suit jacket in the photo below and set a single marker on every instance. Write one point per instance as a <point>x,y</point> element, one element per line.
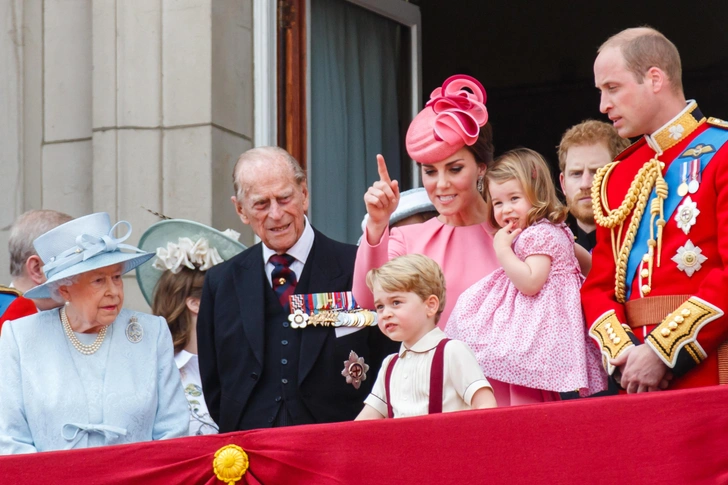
<point>231,335</point>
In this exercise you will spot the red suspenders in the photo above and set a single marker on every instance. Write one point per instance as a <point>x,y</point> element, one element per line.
<point>436,379</point>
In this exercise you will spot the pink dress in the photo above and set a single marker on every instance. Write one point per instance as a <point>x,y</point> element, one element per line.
<point>465,254</point>
<point>538,342</point>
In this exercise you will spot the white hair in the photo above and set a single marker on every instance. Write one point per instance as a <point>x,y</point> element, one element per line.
<point>29,226</point>
<point>54,286</point>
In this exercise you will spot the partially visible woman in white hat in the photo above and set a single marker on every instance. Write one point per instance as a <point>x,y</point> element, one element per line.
<point>90,373</point>
<point>172,286</point>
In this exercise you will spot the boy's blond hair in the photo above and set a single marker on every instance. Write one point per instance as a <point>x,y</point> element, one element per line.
<point>413,273</point>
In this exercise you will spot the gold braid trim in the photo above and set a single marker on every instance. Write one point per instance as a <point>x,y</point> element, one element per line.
<point>635,203</point>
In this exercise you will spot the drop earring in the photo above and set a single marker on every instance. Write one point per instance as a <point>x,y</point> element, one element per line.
<point>479,186</point>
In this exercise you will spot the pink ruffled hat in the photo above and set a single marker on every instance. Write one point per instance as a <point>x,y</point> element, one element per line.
<point>450,120</point>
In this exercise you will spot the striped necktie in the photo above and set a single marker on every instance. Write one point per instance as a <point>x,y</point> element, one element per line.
<point>283,278</point>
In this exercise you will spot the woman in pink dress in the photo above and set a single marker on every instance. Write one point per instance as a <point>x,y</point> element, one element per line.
<point>524,320</point>
<point>452,143</point>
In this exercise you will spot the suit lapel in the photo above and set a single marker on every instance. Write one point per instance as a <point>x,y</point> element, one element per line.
<point>249,280</point>
<point>325,275</point>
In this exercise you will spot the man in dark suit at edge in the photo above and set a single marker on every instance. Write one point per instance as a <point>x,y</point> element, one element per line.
<point>258,370</point>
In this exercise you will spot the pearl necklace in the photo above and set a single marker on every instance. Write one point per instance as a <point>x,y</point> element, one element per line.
<point>84,349</point>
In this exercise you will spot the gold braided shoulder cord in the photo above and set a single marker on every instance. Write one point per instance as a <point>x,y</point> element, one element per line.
<point>635,202</point>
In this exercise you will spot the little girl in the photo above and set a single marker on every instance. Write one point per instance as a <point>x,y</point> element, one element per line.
<point>173,287</point>
<point>524,321</point>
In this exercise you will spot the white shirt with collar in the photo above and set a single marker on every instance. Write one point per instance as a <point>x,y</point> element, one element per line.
<point>410,381</point>
<point>189,370</point>
<point>299,251</point>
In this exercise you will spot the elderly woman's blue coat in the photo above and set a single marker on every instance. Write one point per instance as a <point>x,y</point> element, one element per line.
<point>54,398</point>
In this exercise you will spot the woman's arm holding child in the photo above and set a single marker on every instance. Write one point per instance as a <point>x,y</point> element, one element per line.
<point>527,276</point>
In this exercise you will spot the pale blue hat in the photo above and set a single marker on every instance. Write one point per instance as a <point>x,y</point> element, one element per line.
<point>83,245</point>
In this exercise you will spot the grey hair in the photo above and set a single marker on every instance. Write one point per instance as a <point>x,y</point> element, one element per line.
<point>268,154</point>
<point>25,230</point>
<point>54,286</point>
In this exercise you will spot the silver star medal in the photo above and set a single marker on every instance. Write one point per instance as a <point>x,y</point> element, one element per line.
<point>689,258</point>
<point>687,215</point>
<point>134,331</point>
<point>355,370</point>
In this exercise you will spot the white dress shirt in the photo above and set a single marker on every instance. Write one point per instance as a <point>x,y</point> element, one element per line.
<point>189,372</point>
<point>409,385</point>
<point>299,251</point>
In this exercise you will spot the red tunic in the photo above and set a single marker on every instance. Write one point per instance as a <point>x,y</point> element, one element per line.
<point>688,339</point>
<point>17,308</point>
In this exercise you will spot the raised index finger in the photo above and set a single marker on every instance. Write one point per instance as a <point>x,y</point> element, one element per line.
<point>382,169</point>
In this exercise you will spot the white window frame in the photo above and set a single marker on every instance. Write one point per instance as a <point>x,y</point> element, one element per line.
<point>265,108</point>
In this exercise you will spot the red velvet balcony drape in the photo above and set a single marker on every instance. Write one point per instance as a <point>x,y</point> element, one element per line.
<point>676,437</point>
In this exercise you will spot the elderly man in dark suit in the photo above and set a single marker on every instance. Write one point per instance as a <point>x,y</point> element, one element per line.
<point>257,369</point>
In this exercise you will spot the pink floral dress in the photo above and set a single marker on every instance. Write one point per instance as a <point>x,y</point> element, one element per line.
<point>536,341</point>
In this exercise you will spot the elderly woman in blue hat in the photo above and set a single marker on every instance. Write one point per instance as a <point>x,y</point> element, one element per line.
<point>172,286</point>
<point>90,373</point>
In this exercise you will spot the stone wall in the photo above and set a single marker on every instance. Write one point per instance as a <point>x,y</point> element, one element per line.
<point>115,105</point>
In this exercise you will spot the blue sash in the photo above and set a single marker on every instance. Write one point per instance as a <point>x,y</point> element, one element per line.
<point>714,137</point>
<point>5,301</point>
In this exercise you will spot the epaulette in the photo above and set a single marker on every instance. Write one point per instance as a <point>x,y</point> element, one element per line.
<point>5,290</point>
<point>718,122</point>
<point>630,149</point>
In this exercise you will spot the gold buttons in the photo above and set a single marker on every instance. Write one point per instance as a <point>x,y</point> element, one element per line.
<point>281,281</point>
<point>616,340</point>
<point>646,289</point>
<point>646,258</point>
<point>665,332</point>
<point>685,312</point>
<point>679,319</point>
<point>645,273</point>
<point>672,325</point>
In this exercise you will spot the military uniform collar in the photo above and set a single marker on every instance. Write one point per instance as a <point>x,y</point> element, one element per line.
<point>10,290</point>
<point>428,342</point>
<point>677,129</point>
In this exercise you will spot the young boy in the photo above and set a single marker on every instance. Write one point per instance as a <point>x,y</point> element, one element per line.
<point>430,374</point>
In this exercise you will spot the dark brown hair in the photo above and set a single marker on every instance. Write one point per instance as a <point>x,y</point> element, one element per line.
<point>170,302</point>
<point>483,149</point>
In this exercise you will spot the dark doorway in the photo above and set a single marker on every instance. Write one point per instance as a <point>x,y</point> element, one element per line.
<point>535,58</point>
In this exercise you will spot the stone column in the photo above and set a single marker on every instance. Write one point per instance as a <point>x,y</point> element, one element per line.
<point>115,105</point>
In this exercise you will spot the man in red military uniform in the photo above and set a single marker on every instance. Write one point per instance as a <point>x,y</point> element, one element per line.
<point>26,267</point>
<point>13,305</point>
<point>658,289</point>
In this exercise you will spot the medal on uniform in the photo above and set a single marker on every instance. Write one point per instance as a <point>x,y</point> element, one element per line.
<point>682,190</point>
<point>298,319</point>
<point>686,215</point>
<point>689,258</point>
<point>355,370</point>
<point>694,183</point>
<point>335,309</point>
